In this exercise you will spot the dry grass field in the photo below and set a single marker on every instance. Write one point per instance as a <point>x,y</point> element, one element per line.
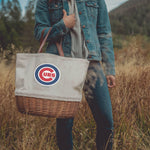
<point>130,101</point>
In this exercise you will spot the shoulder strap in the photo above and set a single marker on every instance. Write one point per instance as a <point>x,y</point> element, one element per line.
<point>42,43</point>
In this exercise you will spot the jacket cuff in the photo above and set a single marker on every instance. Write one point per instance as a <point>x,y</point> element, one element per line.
<point>59,29</point>
<point>62,27</point>
<point>109,70</point>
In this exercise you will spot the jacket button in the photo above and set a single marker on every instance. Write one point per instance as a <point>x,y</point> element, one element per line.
<point>80,12</point>
<point>83,26</point>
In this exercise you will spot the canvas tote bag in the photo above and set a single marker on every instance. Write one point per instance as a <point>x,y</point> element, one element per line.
<point>49,85</point>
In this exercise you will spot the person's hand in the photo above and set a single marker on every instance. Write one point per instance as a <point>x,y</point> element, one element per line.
<point>69,20</point>
<point>111,81</point>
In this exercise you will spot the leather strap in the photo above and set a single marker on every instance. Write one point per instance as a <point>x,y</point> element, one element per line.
<point>42,35</point>
<point>42,43</point>
<point>59,47</point>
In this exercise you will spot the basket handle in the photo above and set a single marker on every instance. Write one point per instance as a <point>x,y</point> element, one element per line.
<point>42,43</point>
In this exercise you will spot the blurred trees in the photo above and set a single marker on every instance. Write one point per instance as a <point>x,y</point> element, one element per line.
<point>131,18</point>
<point>14,28</point>
<point>27,38</point>
<point>10,23</point>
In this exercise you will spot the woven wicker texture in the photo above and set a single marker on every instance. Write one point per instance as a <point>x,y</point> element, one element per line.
<point>48,108</point>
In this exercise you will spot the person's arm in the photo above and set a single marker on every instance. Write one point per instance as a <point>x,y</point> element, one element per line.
<point>42,21</point>
<point>105,39</point>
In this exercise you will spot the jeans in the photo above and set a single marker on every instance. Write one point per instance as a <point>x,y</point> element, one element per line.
<point>98,98</point>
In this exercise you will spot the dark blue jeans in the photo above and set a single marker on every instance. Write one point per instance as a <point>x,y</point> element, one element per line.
<point>97,95</point>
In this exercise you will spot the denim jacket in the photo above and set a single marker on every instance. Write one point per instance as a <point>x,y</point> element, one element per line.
<point>94,22</point>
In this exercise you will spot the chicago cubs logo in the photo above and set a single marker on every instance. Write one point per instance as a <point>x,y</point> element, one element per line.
<point>47,74</point>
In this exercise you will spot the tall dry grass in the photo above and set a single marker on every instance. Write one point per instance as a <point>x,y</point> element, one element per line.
<point>130,101</point>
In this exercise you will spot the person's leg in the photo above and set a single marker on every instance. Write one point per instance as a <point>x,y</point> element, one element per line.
<point>97,95</point>
<point>64,133</point>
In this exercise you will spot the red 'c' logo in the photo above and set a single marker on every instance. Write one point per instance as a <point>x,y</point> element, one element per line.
<point>47,74</point>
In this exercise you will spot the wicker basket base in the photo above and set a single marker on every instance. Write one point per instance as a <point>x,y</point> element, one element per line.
<point>48,108</point>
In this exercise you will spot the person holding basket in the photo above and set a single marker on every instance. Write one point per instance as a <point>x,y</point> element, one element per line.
<point>83,29</point>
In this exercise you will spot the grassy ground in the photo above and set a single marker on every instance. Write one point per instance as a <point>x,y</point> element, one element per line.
<point>130,101</point>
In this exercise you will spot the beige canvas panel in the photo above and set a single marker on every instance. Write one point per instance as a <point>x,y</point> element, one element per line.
<point>67,88</point>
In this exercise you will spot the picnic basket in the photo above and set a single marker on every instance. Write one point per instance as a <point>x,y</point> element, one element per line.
<point>49,85</point>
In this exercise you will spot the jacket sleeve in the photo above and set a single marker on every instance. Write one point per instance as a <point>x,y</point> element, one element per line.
<point>42,21</point>
<point>105,39</point>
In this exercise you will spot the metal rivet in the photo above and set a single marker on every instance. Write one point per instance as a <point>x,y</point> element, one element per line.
<point>83,26</point>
